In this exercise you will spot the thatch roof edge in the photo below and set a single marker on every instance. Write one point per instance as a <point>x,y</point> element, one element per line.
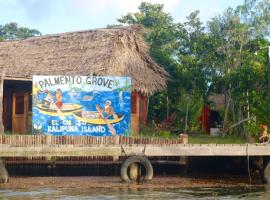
<point>119,51</point>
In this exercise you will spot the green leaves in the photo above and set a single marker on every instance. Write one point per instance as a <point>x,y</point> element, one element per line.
<point>238,34</point>
<point>12,31</point>
<point>216,58</point>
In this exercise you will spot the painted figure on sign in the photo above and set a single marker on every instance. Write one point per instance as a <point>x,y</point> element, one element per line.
<point>59,97</point>
<point>107,112</point>
<point>59,102</point>
<point>54,102</point>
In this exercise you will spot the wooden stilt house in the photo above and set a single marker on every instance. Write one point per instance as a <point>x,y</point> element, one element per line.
<point>105,52</point>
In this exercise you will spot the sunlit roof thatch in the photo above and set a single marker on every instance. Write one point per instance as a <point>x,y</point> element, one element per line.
<point>119,51</point>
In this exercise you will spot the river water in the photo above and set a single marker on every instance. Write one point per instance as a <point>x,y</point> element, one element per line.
<point>261,192</point>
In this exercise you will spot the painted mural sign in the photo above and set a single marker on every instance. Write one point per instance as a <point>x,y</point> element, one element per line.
<point>81,105</point>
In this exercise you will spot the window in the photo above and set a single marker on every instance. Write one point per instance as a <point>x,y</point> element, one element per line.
<point>19,104</point>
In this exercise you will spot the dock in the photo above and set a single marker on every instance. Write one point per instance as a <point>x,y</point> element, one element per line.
<point>136,149</point>
<point>116,149</point>
<point>62,146</point>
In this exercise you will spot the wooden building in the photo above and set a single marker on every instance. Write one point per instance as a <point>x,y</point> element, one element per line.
<point>117,51</point>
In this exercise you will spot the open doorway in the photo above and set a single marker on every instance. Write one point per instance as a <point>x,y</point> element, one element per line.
<point>17,106</point>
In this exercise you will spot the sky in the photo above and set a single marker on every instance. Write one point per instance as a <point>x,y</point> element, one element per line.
<point>57,16</point>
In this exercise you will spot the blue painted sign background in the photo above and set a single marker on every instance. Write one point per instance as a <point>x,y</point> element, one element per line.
<point>81,105</point>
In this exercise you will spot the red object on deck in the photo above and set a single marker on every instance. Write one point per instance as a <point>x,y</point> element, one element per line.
<point>205,118</point>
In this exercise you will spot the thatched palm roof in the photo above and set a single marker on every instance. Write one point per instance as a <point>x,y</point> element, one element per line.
<point>117,51</point>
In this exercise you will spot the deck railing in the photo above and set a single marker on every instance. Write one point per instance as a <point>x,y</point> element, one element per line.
<point>39,140</point>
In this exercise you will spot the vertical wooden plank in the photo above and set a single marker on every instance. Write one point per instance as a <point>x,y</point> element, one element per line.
<point>48,139</point>
<point>120,139</point>
<point>2,129</point>
<point>42,139</point>
<point>100,140</point>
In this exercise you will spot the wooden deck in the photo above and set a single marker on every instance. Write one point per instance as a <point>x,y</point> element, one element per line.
<point>65,146</point>
<point>150,150</point>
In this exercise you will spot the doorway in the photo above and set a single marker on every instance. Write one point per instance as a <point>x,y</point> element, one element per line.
<point>17,110</point>
<point>20,112</point>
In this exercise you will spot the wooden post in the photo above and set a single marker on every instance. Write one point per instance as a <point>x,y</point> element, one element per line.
<point>3,172</point>
<point>1,104</point>
<point>116,142</point>
<point>48,139</point>
<point>183,138</point>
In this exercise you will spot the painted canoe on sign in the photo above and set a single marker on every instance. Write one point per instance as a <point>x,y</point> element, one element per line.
<point>81,105</point>
<point>94,120</point>
<point>66,109</point>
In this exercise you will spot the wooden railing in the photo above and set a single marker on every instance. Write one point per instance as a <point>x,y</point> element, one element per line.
<point>39,140</point>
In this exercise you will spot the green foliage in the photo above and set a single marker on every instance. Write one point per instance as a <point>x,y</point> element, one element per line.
<point>217,58</point>
<point>189,105</point>
<point>12,31</point>
<point>243,75</point>
<point>152,131</point>
<point>175,47</point>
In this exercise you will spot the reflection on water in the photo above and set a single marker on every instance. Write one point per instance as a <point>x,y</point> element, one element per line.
<point>197,193</point>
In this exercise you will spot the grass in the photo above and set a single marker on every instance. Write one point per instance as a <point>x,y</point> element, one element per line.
<point>207,139</point>
<point>194,138</point>
<point>159,134</point>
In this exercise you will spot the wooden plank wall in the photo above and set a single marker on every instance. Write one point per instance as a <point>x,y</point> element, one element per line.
<point>135,104</point>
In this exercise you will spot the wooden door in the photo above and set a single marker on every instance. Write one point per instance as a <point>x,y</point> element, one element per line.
<point>20,112</point>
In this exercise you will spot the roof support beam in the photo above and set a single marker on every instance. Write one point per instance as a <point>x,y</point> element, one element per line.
<point>17,78</point>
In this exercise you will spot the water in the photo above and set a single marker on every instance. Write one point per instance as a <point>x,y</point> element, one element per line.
<point>259,193</point>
